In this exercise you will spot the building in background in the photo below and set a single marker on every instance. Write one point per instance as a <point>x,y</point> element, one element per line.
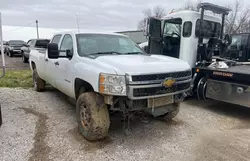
<point>137,36</point>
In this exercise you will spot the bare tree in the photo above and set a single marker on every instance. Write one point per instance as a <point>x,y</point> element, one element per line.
<point>157,11</point>
<point>238,20</point>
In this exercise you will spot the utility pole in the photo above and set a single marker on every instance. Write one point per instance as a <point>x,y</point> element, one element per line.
<point>37,33</point>
<point>3,60</point>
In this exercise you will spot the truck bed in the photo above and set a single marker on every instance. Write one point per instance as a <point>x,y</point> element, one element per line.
<point>236,74</point>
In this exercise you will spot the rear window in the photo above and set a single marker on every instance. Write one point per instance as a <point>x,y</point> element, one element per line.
<point>16,42</point>
<point>42,43</point>
<point>210,29</point>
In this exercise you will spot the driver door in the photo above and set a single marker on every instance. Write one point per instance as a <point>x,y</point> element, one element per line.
<point>155,36</point>
<point>63,67</point>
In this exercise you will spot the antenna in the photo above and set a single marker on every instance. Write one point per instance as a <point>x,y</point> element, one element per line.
<point>77,16</point>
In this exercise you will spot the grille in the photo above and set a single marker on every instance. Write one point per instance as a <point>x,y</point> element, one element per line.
<point>143,92</point>
<point>152,77</point>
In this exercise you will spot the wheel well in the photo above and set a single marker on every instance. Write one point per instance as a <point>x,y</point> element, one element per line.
<point>33,65</point>
<point>81,83</point>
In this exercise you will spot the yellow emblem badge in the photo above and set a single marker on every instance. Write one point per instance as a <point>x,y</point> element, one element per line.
<point>169,82</point>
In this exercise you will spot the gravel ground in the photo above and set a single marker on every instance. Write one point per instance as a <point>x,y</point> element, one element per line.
<point>14,63</point>
<point>42,126</point>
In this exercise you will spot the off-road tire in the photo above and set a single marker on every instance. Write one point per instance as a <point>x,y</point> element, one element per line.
<point>92,116</point>
<point>170,115</point>
<point>24,59</point>
<point>38,83</point>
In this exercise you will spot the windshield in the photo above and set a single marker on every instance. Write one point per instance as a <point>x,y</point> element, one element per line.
<point>172,27</point>
<point>238,41</point>
<point>101,43</point>
<point>16,42</point>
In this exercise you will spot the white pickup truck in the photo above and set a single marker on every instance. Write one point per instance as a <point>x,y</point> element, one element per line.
<point>109,72</point>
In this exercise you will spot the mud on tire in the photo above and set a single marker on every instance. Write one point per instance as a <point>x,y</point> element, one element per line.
<point>92,116</point>
<point>38,83</point>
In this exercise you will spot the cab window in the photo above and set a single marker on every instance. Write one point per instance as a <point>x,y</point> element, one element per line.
<point>56,39</point>
<point>67,44</point>
<point>187,29</point>
<point>210,29</point>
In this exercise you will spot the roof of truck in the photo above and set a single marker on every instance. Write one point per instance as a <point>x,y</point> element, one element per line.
<point>105,33</point>
<point>191,14</point>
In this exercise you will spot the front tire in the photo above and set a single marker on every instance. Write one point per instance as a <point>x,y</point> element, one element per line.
<point>38,83</point>
<point>9,54</point>
<point>92,116</point>
<point>173,113</point>
<point>24,59</point>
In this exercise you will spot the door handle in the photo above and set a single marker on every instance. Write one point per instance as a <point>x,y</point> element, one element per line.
<point>46,59</point>
<point>56,63</point>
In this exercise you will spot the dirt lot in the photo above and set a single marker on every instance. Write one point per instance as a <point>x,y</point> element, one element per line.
<point>14,63</point>
<point>42,126</point>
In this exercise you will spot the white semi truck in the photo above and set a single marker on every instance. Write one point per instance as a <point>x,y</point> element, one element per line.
<point>109,72</point>
<point>198,39</point>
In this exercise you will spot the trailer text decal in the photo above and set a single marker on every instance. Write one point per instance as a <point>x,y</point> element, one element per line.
<point>223,74</point>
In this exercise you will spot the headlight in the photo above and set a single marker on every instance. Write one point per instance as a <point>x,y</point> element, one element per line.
<point>112,84</point>
<point>11,48</point>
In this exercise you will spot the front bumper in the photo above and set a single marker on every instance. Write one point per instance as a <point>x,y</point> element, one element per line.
<point>16,51</point>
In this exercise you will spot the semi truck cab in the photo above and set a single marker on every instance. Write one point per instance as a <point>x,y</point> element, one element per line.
<point>198,38</point>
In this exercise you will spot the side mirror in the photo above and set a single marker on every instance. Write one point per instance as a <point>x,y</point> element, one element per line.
<point>53,52</point>
<point>154,27</point>
<point>69,54</point>
<point>146,28</point>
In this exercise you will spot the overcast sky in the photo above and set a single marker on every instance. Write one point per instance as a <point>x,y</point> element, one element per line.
<point>58,15</point>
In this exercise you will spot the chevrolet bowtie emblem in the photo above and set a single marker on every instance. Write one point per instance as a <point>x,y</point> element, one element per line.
<point>169,82</point>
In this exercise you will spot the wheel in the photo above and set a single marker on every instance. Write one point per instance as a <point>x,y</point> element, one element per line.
<point>24,59</point>
<point>201,89</point>
<point>92,116</point>
<point>9,54</point>
<point>38,83</point>
<point>170,115</point>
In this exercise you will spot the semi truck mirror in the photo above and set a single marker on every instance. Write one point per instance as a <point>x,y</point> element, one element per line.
<point>53,52</point>
<point>154,27</point>
<point>146,28</point>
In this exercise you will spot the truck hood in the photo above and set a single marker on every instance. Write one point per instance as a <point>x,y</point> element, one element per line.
<point>142,64</point>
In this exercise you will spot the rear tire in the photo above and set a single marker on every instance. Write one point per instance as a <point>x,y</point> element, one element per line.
<point>38,83</point>
<point>92,116</point>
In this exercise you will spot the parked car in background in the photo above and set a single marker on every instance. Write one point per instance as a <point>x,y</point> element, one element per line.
<point>13,47</point>
<point>32,44</point>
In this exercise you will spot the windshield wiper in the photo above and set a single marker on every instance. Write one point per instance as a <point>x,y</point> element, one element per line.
<point>109,52</point>
<point>134,53</point>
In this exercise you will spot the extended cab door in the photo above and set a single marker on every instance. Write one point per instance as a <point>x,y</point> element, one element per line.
<point>155,36</point>
<point>50,65</point>
<point>64,67</point>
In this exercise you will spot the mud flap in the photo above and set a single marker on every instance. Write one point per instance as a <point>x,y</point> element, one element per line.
<point>228,92</point>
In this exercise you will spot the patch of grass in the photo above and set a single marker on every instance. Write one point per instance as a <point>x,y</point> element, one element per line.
<point>17,78</point>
